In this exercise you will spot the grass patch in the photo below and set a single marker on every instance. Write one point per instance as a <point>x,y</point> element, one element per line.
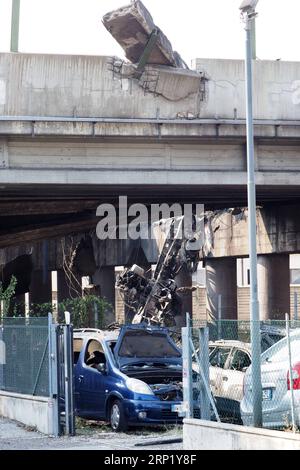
<point>86,426</point>
<point>91,427</point>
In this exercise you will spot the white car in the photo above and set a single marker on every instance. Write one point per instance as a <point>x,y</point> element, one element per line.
<point>229,361</point>
<point>276,384</point>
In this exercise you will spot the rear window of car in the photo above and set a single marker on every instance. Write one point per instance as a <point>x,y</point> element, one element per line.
<point>281,353</point>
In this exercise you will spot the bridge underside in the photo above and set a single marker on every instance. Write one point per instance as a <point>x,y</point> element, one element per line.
<point>213,196</point>
<point>29,213</point>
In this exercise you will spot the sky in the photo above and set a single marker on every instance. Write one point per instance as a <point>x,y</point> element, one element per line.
<point>196,28</point>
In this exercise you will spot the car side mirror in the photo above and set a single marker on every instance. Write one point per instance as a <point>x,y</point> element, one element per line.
<point>101,368</point>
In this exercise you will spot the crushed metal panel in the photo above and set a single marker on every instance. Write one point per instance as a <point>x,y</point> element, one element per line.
<point>132,26</point>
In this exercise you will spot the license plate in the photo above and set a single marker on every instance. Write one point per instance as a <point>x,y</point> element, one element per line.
<point>267,394</point>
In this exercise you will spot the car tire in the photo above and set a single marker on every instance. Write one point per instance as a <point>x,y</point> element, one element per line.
<point>117,417</point>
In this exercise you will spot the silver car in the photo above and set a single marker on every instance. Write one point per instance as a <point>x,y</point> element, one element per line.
<point>276,384</point>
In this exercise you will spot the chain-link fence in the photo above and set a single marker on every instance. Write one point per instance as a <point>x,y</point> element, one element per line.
<point>24,356</point>
<point>231,378</point>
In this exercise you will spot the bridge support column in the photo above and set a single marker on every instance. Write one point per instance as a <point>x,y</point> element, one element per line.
<point>221,284</point>
<point>120,309</point>
<point>273,273</point>
<point>67,288</point>
<point>40,287</point>
<point>184,279</point>
<point>105,278</point>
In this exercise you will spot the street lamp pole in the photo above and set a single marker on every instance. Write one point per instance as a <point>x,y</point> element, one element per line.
<point>249,14</point>
<point>15,22</point>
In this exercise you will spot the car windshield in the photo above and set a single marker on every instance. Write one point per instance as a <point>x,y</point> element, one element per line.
<point>147,344</point>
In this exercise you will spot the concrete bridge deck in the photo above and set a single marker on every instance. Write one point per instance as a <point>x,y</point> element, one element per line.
<point>75,127</point>
<point>76,131</point>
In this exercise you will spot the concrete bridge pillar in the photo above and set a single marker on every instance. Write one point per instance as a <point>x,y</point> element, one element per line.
<point>221,280</point>
<point>184,279</point>
<point>105,278</point>
<point>40,287</point>
<point>68,287</point>
<point>273,272</point>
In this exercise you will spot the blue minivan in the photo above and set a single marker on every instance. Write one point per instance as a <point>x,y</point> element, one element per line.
<point>130,376</point>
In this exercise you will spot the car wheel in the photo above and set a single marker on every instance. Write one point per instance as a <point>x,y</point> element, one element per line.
<point>117,417</point>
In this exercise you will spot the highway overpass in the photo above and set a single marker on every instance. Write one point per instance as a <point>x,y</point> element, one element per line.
<point>76,131</point>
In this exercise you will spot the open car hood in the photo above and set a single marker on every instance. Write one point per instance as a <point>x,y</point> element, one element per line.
<point>146,344</point>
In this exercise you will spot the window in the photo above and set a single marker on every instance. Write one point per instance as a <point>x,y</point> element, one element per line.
<point>280,352</point>
<point>240,360</point>
<point>265,343</point>
<point>295,276</point>
<point>219,357</point>
<point>147,344</point>
<point>77,345</point>
<point>94,354</point>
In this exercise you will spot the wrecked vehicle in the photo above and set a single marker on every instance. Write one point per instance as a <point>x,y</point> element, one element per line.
<point>127,377</point>
<point>156,301</point>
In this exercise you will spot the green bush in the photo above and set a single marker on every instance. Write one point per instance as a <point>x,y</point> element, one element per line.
<point>7,294</point>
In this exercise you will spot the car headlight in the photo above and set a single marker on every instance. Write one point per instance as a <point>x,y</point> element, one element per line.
<point>138,386</point>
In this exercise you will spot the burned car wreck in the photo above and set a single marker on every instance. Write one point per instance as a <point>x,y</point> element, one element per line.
<point>156,300</point>
<point>128,377</point>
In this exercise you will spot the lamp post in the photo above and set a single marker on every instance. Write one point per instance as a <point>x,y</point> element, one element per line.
<point>15,21</point>
<point>248,13</point>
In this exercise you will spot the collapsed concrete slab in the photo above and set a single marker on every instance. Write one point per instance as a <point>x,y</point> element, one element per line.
<point>174,84</point>
<point>132,27</point>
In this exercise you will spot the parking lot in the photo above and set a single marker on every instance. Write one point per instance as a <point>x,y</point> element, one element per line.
<point>90,436</point>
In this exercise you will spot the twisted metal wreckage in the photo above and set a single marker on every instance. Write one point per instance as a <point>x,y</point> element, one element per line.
<point>156,300</point>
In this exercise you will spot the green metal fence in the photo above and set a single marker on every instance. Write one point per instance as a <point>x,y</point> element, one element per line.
<point>24,357</point>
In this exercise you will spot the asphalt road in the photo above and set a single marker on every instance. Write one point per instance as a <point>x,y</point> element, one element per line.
<point>90,436</point>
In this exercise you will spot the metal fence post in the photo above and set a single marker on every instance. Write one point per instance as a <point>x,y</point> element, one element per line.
<point>187,372</point>
<point>68,372</point>
<point>53,376</point>
<point>204,360</point>
<point>290,371</point>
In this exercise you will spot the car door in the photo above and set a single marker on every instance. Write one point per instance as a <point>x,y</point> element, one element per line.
<point>91,383</point>
<point>233,376</point>
<point>77,347</point>
<point>218,362</point>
